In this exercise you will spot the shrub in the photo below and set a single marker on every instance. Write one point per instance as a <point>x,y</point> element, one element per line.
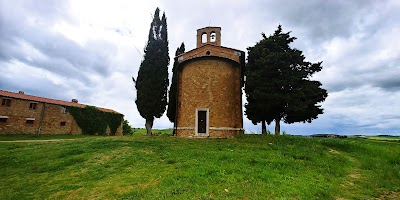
<point>126,128</point>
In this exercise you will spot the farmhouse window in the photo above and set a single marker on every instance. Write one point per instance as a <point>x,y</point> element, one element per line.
<point>63,110</point>
<point>3,119</point>
<point>32,106</point>
<point>30,121</point>
<point>6,102</point>
<point>63,123</point>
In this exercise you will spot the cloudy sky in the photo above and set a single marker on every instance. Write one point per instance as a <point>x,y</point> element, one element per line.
<point>89,50</point>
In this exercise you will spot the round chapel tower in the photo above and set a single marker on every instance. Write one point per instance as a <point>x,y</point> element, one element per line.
<point>210,81</point>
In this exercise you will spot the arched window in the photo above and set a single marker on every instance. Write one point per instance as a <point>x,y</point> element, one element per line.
<point>204,38</point>
<point>213,37</point>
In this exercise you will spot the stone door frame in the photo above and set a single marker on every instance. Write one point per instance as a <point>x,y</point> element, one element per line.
<point>207,122</point>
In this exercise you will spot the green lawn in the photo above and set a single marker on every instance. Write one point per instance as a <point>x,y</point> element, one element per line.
<point>142,131</point>
<point>42,137</point>
<point>162,167</point>
<point>394,139</point>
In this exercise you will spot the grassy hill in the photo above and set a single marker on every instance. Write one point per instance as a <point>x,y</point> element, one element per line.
<point>162,167</point>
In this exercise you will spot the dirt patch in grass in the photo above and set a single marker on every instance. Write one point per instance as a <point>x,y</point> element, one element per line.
<point>390,195</point>
<point>71,194</point>
<point>151,183</point>
<point>146,151</point>
<point>347,184</point>
<point>122,190</point>
<point>334,151</point>
<point>355,175</point>
<point>100,159</point>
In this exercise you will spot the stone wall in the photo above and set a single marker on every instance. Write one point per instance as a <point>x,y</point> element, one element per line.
<point>17,114</point>
<point>52,119</point>
<point>213,83</point>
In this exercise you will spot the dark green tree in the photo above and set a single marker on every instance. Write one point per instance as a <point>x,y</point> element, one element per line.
<point>278,85</point>
<point>171,111</point>
<point>152,81</point>
<point>126,128</point>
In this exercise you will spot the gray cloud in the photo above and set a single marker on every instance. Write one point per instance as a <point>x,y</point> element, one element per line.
<point>388,76</point>
<point>33,86</point>
<point>392,84</point>
<point>322,20</point>
<point>60,55</point>
<point>346,75</point>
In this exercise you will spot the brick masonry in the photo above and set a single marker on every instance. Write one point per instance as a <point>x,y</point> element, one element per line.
<point>47,118</point>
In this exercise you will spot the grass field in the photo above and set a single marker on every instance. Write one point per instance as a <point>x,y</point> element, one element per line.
<point>393,139</point>
<point>162,167</point>
<point>142,131</point>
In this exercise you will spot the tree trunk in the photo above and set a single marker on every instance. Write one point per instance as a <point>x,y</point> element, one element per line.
<point>149,125</point>
<point>277,126</point>
<point>263,127</point>
<point>173,132</point>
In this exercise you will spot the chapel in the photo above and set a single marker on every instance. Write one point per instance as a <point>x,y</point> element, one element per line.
<point>209,94</point>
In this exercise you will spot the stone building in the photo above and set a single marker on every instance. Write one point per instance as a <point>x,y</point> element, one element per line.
<point>27,114</point>
<point>210,81</point>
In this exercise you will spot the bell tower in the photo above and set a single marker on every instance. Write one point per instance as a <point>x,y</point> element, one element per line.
<point>208,35</point>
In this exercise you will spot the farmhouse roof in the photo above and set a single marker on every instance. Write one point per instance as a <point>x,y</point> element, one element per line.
<point>22,95</point>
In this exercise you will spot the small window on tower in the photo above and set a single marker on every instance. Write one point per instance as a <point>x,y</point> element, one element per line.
<point>32,106</point>
<point>63,123</point>
<point>213,37</point>
<point>204,38</point>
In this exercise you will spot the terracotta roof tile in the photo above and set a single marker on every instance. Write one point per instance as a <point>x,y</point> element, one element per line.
<point>21,95</point>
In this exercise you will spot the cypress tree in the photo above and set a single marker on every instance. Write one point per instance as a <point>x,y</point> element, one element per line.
<point>171,111</point>
<point>278,85</point>
<point>152,81</point>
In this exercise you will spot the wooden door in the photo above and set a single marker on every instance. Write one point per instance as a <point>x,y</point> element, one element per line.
<point>201,122</point>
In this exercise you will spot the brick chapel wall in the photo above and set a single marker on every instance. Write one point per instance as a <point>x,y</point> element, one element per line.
<point>214,83</point>
<point>19,111</point>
